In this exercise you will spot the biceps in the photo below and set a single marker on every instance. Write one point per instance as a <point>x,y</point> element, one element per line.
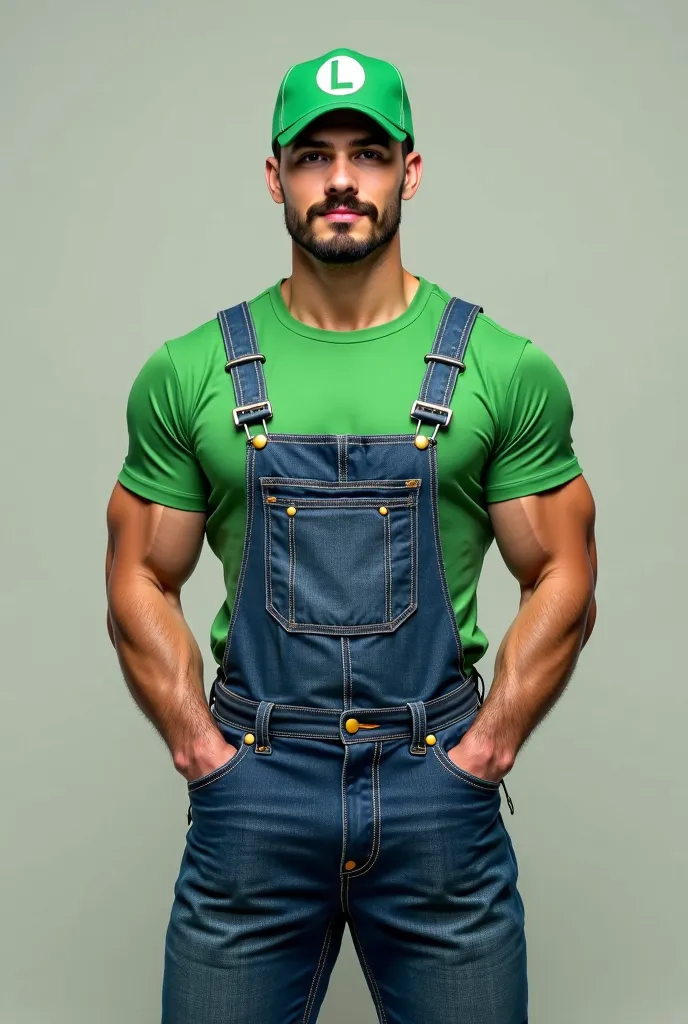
<point>547,532</point>
<point>152,540</point>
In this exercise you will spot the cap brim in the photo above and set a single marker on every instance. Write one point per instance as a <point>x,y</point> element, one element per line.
<point>290,133</point>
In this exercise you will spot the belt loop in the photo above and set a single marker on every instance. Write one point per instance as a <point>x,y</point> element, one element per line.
<point>262,723</point>
<point>417,709</point>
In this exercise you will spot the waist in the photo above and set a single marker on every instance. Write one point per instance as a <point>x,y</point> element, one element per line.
<point>351,725</point>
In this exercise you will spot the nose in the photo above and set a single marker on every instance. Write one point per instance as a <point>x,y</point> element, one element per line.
<point>341,178</point>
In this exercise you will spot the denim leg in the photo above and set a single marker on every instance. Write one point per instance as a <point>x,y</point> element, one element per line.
<point>438,921</point>
<point>256,922</point>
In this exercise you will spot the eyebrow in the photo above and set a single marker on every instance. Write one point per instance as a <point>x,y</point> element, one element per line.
<point>366,140</point>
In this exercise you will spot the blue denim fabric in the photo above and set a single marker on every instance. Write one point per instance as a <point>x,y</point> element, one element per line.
<point>343,689</point>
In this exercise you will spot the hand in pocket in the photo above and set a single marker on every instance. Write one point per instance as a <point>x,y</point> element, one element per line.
<point>470,758</point>
<point>214,756</point>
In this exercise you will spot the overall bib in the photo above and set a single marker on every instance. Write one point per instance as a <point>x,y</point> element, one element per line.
<point>343,687</point>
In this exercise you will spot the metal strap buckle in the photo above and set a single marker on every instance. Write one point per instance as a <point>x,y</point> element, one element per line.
<point>431,407</point>
<point>246,408</point>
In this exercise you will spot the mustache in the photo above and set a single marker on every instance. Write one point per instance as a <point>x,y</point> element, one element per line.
<point>347,202</point>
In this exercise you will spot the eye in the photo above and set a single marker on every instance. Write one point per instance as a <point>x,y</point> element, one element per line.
<point>371,153</point>
<point>306,158</point>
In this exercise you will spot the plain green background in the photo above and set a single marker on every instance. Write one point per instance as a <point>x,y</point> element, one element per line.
<point>134,206</point>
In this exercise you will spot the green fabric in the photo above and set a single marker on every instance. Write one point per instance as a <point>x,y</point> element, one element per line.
<point>342,79</point>
<point>510,434</point>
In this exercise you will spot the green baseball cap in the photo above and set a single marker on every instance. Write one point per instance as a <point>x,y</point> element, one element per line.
<point>342,80</point>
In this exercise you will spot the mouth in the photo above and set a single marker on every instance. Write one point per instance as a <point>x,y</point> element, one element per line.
<point>343,215</point>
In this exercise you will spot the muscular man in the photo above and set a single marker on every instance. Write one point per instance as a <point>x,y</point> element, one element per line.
<point>346,769</point>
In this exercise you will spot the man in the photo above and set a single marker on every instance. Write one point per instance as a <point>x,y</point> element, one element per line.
<point>348,769</point>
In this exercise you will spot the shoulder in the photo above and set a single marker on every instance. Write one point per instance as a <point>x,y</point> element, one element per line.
<point>195,347</point>
<point>491,344</point>
<point>203,344</point>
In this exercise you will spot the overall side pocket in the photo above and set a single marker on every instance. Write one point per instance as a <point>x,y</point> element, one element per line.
<point>232,734</point>
<point>447,738</point>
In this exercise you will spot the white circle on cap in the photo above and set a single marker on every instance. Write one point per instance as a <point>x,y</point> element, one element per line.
<point>340,76</point>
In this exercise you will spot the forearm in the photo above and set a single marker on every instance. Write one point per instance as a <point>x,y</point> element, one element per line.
<point>162,666</point>
<point>533,665</point>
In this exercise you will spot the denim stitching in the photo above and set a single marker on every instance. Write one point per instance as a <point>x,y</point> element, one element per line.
<point>347,641</point>
<point>454,370</point>
<point>324,630</point>
<point>340,458</point>
<point>411,501</point>
<point>420,728</point>
<point>290,625</point>
<point>267,547</point>
<point>254,348</point>
<point>345,894</point>
<point>459,352</point>
<point>350,740</point>
<point>454,769</point>
<point>414,713</point>
<point>377,821</point>
<point>414,550</point>
<point>445,698</point>
<point>342,502</point>
<point>346,670</point>
<point>236,378</point>
<point>250,463</point>
<point>320,439</point>
<point>267,481</point>
<point>437,347</point>
<point>440,557</point>
<point>318,972</point>
<point>388,567</point>
<point>344,821</point>
<point>262,726</point>
<point>292,568</point>
<point>377,999</point>
<point>427,377</point>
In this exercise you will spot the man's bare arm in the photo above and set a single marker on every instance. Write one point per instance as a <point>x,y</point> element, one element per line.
<point>547,541</point>
<point>152,551</point>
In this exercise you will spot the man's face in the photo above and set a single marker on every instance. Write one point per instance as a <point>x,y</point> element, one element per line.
<point>342,181</point>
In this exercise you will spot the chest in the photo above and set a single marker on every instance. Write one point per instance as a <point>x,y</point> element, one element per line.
<point>329,389</point>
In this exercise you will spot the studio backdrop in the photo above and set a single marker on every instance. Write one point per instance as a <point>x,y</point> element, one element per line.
<point>133,208</point>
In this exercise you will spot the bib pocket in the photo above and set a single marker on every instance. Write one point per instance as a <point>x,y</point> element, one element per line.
<point>340,557</point>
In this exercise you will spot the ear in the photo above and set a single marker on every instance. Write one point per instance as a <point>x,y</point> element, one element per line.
<point>412,175</point>
<point>272,179</point>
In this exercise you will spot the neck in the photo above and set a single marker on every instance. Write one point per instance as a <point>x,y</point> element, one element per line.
<point>335,297</point>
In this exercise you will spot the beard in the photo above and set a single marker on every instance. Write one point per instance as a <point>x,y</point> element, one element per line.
<point>341,247</point>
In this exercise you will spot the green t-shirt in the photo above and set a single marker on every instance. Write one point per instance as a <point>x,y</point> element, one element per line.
<point>510,434</point>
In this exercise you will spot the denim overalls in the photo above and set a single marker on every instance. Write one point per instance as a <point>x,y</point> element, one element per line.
<point>343,687</point>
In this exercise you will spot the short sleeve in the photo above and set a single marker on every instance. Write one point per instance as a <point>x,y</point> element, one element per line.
<point>533,448</point>
<point>160,464</point>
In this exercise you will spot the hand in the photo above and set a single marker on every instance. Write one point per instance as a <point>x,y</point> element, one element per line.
<point>207,759</point>
<point>475,759</point>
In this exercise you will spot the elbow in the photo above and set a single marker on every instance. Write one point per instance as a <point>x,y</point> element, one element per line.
<point>110,630</point>
<point>590,621</point>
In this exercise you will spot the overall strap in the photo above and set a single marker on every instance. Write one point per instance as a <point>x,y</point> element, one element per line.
<point>244,363</point>
<point>445,362</point>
